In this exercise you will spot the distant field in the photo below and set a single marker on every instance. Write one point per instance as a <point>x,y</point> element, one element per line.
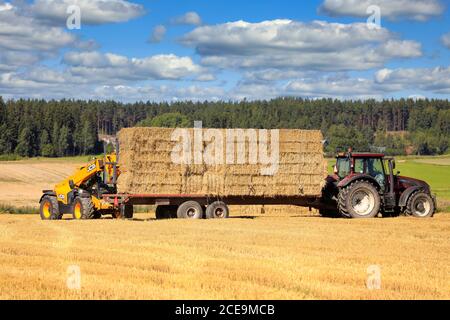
<point>436,174</point>
<point>22,182</point>
<point>268,257</point>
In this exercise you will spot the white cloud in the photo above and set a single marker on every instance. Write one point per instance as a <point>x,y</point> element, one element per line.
<point>354,88</point>
<point>189,18</point>
<point>445,39</point>
<point>391,9</point>
<point>282,44</point>
<point>23,33</point>
<point>110,67</point>
<point>157,93</point>
<point>158,34</point>
<point>272,74</point>
<point>92,11</point>
<point>436,80</point>
<point>6,6</point>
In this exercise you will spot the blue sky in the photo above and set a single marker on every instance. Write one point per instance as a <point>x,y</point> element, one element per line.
<point>224,49</point>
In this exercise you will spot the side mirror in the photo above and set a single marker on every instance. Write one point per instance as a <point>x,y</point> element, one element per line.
<point>71,184</point>
<point>398,173</point>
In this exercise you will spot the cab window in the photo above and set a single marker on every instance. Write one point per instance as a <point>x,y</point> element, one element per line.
<point>343,166</point>
<point>373,167</point>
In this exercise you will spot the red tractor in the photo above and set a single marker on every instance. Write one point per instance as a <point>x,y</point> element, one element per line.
<point>364,185</point>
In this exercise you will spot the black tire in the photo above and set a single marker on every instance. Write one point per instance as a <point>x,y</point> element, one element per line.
<point>360,199</point>
<point>49,209</point>
<point>166,212</point>
<point>127,211</point>
<point>217,210</point>
<point>420,205</point>
<point>329,213</point>
<point>190,210</point>
<point>97,215</point>
<point>83,209</point>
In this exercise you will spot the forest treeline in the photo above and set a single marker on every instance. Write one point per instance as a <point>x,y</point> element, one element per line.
<point>69,127</point>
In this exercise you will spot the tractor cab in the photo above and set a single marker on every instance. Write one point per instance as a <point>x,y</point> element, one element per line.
<point>364,184</point>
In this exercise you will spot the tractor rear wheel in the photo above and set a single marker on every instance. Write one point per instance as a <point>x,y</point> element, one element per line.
<point>420,205</point>
<point>360,199</point>
<point>83,209</point>
<point>49,209</point>
<point>190,210</point>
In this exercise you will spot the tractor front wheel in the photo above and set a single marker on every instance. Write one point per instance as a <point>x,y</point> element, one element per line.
<point>420,205</point>
<point>360,199</point>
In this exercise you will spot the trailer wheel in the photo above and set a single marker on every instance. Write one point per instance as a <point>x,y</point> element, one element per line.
<point>83,209</point>
<point>217,210</point>
<point>49,209</point>
<point>190,210</point>
<point>127,211</point>
<point>166,212</point>
<point>359,200</point>
<point>420,205</point>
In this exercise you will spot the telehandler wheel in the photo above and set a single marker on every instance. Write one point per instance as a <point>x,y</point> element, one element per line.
<point>420,205</point>
<point>359,200</point>
<point>83,209</point>
<point>217,210</point>
<point>49,209</point>
<point>190,210</point>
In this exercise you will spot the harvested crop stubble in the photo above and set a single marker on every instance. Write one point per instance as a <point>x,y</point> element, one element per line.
<point>147,165</point>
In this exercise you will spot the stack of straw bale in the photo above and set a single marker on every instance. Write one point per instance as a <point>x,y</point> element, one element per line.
<point>147,166</point>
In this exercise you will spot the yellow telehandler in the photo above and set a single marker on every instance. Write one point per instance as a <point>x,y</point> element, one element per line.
<point>81,194</point>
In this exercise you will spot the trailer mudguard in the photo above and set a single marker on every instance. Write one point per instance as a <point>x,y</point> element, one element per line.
<point>406,194</point>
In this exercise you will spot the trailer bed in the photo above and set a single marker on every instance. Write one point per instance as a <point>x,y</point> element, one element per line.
<point>178,199</point>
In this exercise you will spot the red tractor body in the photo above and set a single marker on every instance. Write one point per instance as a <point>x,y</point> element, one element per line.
<point>364,184</point>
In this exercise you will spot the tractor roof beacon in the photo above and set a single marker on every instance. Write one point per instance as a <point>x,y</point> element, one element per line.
<point>364,185</point>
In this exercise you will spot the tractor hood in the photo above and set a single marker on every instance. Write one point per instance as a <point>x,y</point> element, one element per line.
<point>406,182</point>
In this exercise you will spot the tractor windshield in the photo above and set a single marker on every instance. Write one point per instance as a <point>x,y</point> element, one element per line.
<point>343,166</point>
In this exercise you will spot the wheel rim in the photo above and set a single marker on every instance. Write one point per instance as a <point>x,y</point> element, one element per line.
<point>363,203</point>
<point>77,211</point>
<point>219,212</point>
<point>46,210</point>
<point>191,212</point>
<point>422,207</point>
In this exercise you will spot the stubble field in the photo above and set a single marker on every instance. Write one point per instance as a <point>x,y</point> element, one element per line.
<point>288,255</point>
